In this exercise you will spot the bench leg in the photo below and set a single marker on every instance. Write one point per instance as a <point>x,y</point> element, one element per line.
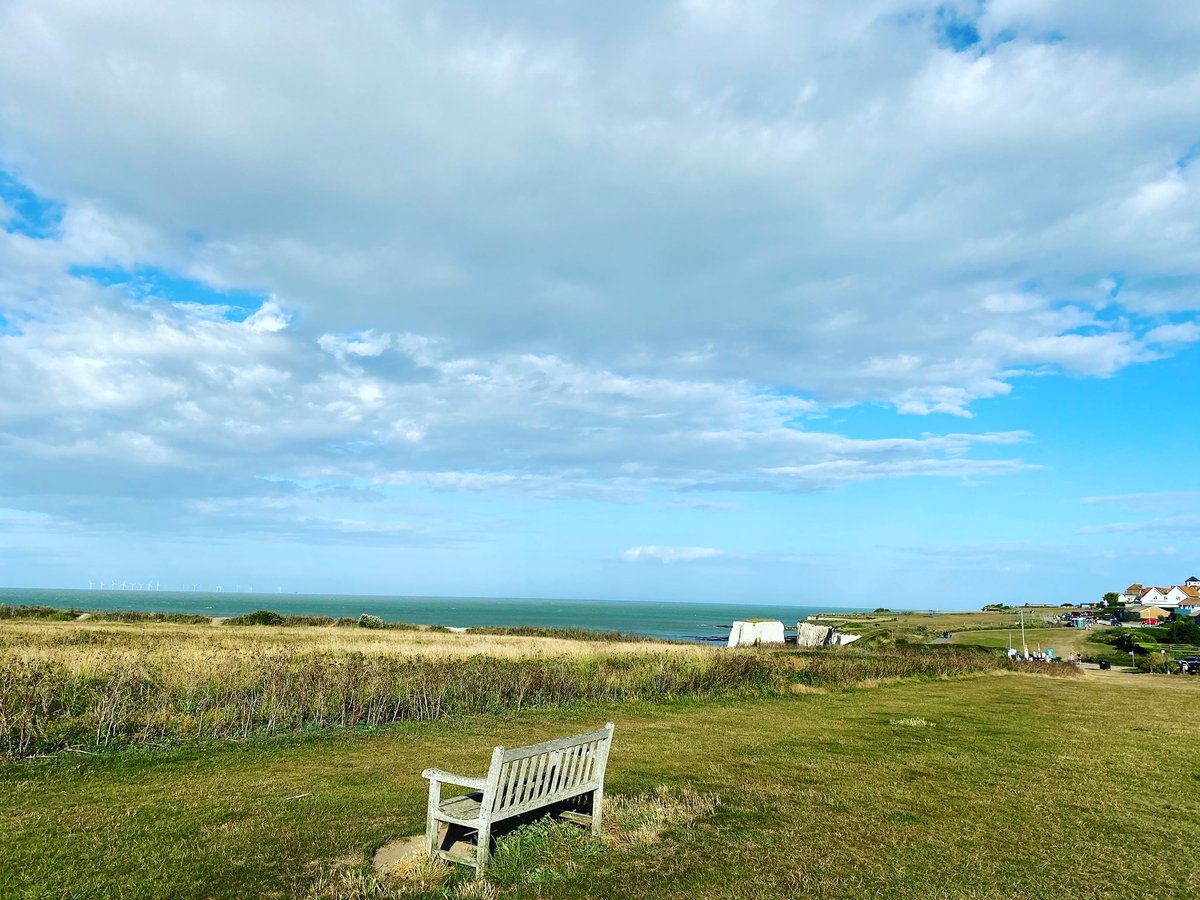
<point>431,822</point>
<point>483,849</point>
<point>598,811</point>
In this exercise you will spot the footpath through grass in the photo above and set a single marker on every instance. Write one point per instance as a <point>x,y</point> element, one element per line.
<point>991,786</point>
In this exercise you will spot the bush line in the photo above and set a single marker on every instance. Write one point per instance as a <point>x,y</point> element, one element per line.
<point>46,707</point>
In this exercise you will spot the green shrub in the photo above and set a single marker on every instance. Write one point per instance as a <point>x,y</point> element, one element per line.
<point>121,615</point>
<point>1181,631</point>
<point>258,617</point>
<point>309,621</point>
<point>569,634</point>
<point>369,621</point>
<point>8,611</point>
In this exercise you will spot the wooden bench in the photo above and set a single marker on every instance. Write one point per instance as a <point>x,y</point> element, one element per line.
<point>519,781</point>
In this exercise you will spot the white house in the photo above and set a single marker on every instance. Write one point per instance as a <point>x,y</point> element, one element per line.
<point>1181,595</point>
<point>1131,593</point>
<point>1155,596</point>
<point>1192,582</point>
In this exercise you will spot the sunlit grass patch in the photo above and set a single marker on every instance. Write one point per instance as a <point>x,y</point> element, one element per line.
<point>637,821</point>
<point>421,878</point>
<point>911,722</point>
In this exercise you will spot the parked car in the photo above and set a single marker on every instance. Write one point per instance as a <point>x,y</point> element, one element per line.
<point>1189,665</point>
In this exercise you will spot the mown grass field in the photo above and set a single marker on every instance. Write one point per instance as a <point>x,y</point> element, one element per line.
<point>888,626</point>
<point>989,786</point>
<point>1063,640</point>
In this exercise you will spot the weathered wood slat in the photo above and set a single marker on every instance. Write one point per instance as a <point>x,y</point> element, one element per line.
<point>578,818</point>
<point>522,784</point>
<point>558,744</point>
<point>456,858</point>
<point>590,766</point>
<point>569,775</point>
<point>573,774</point>
<point>539,779</point>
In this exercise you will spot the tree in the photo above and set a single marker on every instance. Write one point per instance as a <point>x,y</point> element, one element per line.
<point>1112,598</point>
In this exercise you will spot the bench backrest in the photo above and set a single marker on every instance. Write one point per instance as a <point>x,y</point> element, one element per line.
<point>527,778</point>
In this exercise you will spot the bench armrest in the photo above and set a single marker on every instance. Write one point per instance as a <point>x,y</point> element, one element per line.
<point>438,775</point>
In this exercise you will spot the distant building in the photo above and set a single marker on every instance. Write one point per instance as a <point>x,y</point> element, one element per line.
<point>1155,596</point>
<point>1193,582</point>
<point>1152,615</point>
<point>1131,593</point>
<point>1183,593</point>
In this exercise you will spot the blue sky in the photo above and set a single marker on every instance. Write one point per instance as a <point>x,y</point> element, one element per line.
<point>894,304</point>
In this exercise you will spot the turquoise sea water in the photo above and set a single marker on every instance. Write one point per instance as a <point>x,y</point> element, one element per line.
<point>679,621</point>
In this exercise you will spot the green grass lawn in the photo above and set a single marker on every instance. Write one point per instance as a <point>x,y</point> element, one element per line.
<point>883,628</point>
<point>1063,640</point>
<point>991,786</point>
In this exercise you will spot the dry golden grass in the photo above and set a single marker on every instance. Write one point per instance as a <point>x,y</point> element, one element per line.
<point>84,685</point>
<point>90,647</point>
<point>640,820</point>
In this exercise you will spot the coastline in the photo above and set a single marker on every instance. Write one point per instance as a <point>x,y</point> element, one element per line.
<point>672,620</point>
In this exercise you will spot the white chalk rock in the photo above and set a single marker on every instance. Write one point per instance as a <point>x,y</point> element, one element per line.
<point>755,634</point>
<point>822,636</point>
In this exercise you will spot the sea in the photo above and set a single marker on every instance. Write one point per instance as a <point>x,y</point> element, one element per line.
<point>680,621</point>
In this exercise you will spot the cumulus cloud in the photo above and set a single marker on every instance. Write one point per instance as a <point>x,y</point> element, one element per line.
<point>595,253</point>
<point>669,554</point>
<point>641,186</point>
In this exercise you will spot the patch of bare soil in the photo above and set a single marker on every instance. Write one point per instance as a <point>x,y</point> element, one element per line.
<point>399,851</point>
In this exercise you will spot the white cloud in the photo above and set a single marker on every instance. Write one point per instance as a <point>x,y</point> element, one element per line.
<point>635,187</point>
<point>1183,524</point>
<point>669,554</point>
<point>270,317</point>
<point>216,404</point>
<point>601,252</point>
<point>1149,500</point>
<point>1174,513</point>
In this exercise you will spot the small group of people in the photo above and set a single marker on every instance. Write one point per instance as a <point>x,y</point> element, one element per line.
<point>1046,655</point>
